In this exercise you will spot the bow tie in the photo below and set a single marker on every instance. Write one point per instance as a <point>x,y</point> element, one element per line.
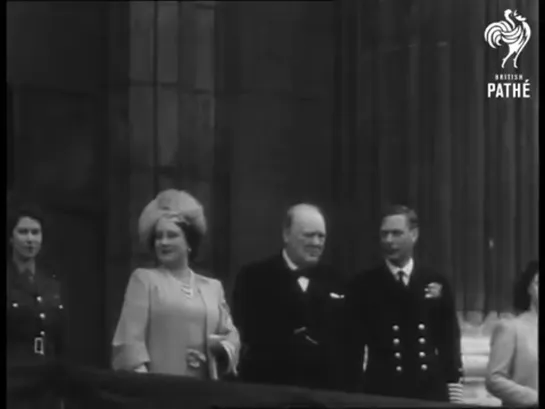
<point>302,272</point>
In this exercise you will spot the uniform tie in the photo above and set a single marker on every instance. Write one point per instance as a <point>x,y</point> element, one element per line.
<point>28,275</point>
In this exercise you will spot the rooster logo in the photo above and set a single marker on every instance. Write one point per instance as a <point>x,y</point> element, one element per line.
<point>515,34</point>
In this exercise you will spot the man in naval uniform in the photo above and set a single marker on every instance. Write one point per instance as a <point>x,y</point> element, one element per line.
<point>403,315</point>
<point>288,309</point>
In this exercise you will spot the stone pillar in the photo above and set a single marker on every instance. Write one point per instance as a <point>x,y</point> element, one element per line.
<point>162,100</point>
<point>274,118</point>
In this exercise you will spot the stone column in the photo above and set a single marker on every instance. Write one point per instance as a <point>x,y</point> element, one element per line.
<point>162,100</point>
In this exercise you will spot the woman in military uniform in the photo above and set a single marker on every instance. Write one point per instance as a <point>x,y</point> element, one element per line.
<point>34,311</point>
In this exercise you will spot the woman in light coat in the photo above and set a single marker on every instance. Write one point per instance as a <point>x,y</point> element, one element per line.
<point>175,321</point>
<point>512,373</point>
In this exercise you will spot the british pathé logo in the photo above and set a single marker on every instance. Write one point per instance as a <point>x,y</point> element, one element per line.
<point>512,33</point>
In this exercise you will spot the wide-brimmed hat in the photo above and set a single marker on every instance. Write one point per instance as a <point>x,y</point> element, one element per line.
<point>173,204</point>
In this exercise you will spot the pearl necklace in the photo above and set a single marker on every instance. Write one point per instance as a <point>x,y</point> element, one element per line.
<point>187,289</point>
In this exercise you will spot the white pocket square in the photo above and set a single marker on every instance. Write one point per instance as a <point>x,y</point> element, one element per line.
<point>336,296</point>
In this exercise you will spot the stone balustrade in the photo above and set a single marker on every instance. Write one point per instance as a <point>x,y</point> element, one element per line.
<point>476,333</point>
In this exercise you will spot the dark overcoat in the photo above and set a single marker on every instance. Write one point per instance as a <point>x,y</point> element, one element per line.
<point>269,306</point>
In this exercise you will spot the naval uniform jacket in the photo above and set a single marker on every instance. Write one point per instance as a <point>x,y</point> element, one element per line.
<point>413,343</point>
<point>269,306</point>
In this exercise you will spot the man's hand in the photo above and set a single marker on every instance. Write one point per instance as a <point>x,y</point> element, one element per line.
<point>303,335</point>
<point>456,392</point>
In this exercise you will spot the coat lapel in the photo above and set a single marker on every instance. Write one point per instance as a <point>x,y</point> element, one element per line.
<point>389,278</point>
<point>205,290</point>
<point>285,280</point>
<point>417,282</point>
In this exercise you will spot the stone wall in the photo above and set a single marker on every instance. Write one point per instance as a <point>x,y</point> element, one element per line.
<point>114,101</point>
<point>161,117</point>
<point>56,67</point>
<point>280,123</point>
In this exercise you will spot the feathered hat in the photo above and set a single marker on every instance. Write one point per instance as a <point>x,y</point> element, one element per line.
<point>173,204</point>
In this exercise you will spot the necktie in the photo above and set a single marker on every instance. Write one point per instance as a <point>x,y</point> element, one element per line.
<point>401,277</point>
<point>28,275</point>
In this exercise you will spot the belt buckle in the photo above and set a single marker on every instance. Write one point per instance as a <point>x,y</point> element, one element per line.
<point>39,346</point>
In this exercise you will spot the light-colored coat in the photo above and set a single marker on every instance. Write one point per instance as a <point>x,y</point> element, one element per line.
<point>143,335</point>
<point>512,373</point>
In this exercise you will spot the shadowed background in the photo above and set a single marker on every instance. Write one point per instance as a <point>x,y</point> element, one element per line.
<point>254,105</point>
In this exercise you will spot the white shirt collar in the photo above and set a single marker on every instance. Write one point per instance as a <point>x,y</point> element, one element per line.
<point>29,266</point>
<point>407,268</point>
<point>291,265</point>
<point>303,281</point>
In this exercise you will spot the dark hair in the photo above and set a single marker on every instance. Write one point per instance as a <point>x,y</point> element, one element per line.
<point>192,235</point>
<point>30,210</point>
<point>394,210</point>
<point>288,218</point>
<point>521,297</point>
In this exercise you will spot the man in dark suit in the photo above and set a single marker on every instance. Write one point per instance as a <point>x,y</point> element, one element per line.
<point>403,315</point>
<point>287,309</point>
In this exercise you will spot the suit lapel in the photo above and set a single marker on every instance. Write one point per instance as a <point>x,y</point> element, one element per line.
<point>205,290</point>
<point>415,279</point>
<point>389,279</point>
<point>286,279</point>
<point>415,283</point>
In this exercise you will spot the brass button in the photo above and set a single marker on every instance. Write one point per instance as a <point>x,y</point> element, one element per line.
<point>396,341</point>
<point>39,298</point>
<point>398,355</point>
<point>421,326</point>
<point>399,369</point>
<point>395,328</point>
<point>15,305</point>
<point>42,333</point>
<point>42,315</point>
<point>424,367</point>
<point>422,340</point>
<point>422,354</point>
<point>60,307</point>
